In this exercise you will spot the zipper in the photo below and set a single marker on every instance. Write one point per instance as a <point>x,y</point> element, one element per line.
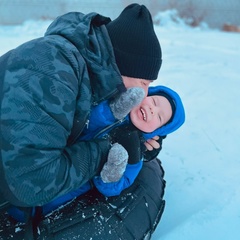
<point>108,128</point>
<point>87,123</point>
<point>77,130</point>
<point>75,136</point>
<point>119,89</point>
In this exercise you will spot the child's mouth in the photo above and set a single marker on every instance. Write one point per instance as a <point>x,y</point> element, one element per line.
<point>144,114</point>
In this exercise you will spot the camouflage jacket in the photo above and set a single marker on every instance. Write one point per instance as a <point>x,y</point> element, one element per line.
<point>47,88</point>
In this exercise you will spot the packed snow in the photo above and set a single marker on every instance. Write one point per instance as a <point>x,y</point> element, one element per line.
<point>201,162</point>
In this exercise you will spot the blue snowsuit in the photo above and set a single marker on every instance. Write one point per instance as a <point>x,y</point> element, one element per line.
<point>101,121</point>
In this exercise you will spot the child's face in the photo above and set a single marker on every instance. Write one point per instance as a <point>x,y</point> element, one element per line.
<point>152,113</point>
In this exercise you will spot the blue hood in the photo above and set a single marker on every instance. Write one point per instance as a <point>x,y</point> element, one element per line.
<point>178,118</point>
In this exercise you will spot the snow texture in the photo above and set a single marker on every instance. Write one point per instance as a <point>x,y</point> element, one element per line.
<point>201,161</point>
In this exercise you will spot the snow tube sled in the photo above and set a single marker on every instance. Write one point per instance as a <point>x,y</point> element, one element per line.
<point>131,216</point>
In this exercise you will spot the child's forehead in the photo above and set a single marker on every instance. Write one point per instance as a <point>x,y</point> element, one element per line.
<point>159,97</point>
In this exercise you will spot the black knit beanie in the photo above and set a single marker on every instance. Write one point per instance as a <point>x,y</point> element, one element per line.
<point>136,47</point>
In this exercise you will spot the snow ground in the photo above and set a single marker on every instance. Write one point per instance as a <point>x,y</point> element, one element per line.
<point>201,161</point>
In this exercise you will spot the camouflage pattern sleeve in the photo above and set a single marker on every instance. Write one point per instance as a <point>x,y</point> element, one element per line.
<point>41,94</point>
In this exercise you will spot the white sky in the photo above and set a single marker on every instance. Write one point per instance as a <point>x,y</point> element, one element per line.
<point>201,161</point>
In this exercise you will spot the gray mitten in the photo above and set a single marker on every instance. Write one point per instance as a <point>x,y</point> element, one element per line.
<point>116,164</point>
<point>124,103</point>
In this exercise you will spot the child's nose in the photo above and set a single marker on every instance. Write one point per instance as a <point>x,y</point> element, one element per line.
<point>151,115</point>
<point>153,110</point>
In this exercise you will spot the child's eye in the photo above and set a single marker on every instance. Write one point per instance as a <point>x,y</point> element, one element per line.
<point>144,84</point>
<point>154,102</point>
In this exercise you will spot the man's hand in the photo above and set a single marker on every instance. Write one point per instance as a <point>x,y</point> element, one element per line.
<point>124,103</point>
<point>131,140</point>
<point>152,143</point>
<point>116,164</point>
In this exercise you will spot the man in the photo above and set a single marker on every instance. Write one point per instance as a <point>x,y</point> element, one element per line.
<point>48,86</point>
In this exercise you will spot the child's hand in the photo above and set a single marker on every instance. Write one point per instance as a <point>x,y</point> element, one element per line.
<point>124,103</point>
<point>152,143</point>
<point>153,146</point>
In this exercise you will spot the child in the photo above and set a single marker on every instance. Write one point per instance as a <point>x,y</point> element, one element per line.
<point>159,114</point>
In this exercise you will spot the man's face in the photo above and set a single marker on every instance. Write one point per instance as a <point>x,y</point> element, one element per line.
<point>136,82</point>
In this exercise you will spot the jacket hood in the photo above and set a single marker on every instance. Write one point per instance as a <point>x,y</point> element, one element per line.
<point>179,115</point>
<point>85,32</point>
<point>88,33</point>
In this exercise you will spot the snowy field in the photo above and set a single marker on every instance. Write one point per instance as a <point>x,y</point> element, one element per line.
<point>201,162</point>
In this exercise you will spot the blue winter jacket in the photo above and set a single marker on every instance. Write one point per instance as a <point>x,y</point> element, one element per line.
<point>102,118</point>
